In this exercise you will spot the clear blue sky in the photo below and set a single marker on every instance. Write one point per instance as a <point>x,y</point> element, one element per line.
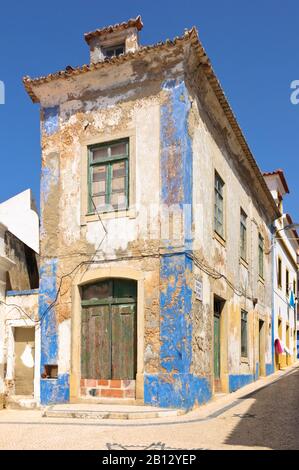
<point>253,47</point>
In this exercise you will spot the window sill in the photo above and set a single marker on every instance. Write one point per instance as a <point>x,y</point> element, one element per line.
<point>219,239</point>
<point>129,213</point>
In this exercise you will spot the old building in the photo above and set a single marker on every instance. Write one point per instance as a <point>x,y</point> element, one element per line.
<point>285,247</point>
<point>19,281</point>
<point>155,277</point>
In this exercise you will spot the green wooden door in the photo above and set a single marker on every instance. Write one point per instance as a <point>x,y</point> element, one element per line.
<point>96,342</point>
<point>123,341</point>
<point>108,341</point>
<point>216,346</point>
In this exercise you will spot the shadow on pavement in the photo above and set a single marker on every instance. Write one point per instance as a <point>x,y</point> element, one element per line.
<point>273,419</point>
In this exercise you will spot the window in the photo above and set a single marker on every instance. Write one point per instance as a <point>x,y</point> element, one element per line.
<point>294,288</point>
<point>243,235</point>
<point>218,214</point>
<point>279,273</point>
<point>114,51</point>
<point>244,334</point>
<point>287,282</point>
<point>109,176</point>
<point>261,256</point>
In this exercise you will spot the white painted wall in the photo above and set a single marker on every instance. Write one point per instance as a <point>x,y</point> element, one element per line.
<point>20,217</point>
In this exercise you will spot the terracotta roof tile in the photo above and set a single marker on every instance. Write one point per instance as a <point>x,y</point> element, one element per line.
<point>132,23</point>
<point>279,173</point>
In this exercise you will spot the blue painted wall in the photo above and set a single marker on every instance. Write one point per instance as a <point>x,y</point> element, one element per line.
<point>175,385</point>
<point>15,293</point>
<point>237,381</point>
<point>52,391</point>
<point>269,369</point>
<point>51,120</point>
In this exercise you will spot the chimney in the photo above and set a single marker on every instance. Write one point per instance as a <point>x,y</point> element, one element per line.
<point>112,41</point>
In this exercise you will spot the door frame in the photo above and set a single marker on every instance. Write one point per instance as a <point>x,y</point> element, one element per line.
<point>223,324</point>
<point>10,370</point>
<point>91,276</point>
<point>262,347</point>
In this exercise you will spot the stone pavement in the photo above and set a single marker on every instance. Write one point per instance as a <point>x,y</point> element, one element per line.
<point>262,415</point>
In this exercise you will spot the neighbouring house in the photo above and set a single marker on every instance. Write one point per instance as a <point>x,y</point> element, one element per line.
<point>155,272</point>
<point>285,280</point>
<point>19,281</point>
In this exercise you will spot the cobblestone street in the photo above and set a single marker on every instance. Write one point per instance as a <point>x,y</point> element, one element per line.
<point>262,415</point>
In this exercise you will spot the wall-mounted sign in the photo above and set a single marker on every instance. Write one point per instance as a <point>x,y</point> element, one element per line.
<point>198,289</point>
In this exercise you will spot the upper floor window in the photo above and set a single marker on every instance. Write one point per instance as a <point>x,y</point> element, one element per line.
<point>294,287</point>
<point>243,235</point>
<point>287,282</point>
<point>219,206</point>
<point>114,51</point>
<point>261,256</point>
<point>279,273</point>
<point>109,176</point>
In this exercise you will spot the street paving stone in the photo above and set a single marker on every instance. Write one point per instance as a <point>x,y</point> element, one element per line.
<point>263,415</point>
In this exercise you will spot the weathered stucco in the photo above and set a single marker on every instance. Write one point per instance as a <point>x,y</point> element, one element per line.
<point>178,136</point>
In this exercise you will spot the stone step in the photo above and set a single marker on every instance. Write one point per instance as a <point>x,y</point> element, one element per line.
<point>82,411</point>
<point>20,402</point>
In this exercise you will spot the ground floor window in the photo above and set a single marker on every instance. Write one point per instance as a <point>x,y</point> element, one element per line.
<point>244,333</point>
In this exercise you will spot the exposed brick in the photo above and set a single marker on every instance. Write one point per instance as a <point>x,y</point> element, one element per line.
<point>91,383</point>
<point>103,383</point>
<point>115,383</point>
<point>82,382</point>
<point>99,392</point>
<point>83,391</point>
<point>112,393</point>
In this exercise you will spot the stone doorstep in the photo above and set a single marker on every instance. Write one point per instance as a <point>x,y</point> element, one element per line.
<point>20,402</point>
<point>109,412</point>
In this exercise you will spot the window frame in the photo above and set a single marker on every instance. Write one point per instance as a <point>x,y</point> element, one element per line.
<point>261,251</point>
<point>219,195</point>
<point>279,272</point>
<point>244,354</point>
<point>114,49</point>
<point>108,162</point>
<point>287,286</point>
<point>243,231</point>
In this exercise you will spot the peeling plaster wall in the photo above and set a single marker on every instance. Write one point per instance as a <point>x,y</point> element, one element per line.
<point>216,149</point>
<point>124,102</point>
<point>180,136</point>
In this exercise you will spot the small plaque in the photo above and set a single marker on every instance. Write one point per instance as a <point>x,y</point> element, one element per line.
<point>198,289</point>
